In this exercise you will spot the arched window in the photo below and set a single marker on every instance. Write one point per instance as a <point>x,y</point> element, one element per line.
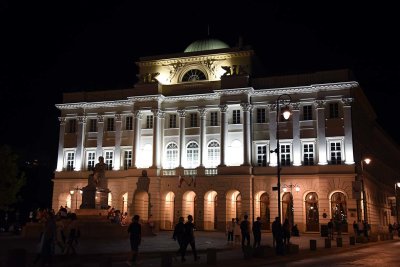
<point>171,156</point>
<point>192,155</point>
<point>312,212</point>
<point>213,152</point>
<point>193,75</point>
<point>339,209</point>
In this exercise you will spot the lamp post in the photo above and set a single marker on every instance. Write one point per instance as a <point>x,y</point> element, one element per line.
<point>364,198</point>
<point>72,192</point>
<point>286,114</point>
<point>396,185</point>
<point>285,189</point>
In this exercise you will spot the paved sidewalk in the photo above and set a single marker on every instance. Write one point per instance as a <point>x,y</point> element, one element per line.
<point>95,252</point>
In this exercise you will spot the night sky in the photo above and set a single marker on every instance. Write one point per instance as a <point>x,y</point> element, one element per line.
<point>51,47</point>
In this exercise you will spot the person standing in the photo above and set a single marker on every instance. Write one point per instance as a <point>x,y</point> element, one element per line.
<point>230,226</point>
<point>245,229</point>
<point>330,229</point>
<point>179,235</point>
<point>257,233</point>
<point>286,232</point>
<point>135,238</point>
<point>236,231</point>
<point>277,234</point>
<point>189,238</point>
<point>150,221</point>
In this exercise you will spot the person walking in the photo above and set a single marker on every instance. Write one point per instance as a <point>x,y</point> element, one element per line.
<point>73,234</point>
<point>135,238</point>
<point>236,231</point>
<point>245,229</point>
<point>257,232</point>
<point>179,235</point>
<point>286,232</point>
<point>277,234</point>
<point>189,238</point>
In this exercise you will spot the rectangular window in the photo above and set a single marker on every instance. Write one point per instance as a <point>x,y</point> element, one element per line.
<point>127,159</point>
<point>129,123</point>
<point>149,122</point>
<point>333,110</point>
<point>262,155</point>
<point>193,120</point>
<point>172,121</point>
<point>108,159</point>
<point>285,155</point>
<point>91,157</point>
<point>261,115</point>
<point>93,125</point>
<point>72,126</point>
<point>110,124</point>
<point>70,161</point>
<point>214,118</point>
<point>236,116</point>
<point>308,154</point>
<point>307,112</point>
<point>336,153</point>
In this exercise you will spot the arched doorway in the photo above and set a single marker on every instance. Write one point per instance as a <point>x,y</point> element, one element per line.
<point>210,210</point>
<point>189,204</point>
<point>233,209</point>
<point>168,214</point>
<point>141,205</point>
<point>265,212</point>
<point>312,213</point>
<point>339,210</point>
<point>287,208</point>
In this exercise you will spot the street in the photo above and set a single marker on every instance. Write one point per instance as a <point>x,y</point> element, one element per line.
<point>386,254</point>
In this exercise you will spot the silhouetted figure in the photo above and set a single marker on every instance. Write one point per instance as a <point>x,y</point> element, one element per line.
<point>135,238</point>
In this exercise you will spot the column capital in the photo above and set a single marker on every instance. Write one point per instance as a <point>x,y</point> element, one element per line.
<point>203,112</point>
<point>295,105</point>
<point>137,114</point>
<point>100,118</point>
<point>61,120</point>
<point>157,113</point>
<point>223,108</point>
<point>271,107</point>
<point>347,102</point>
<point>182,113</point>
<point>320,103</point>
<point>246,106</point>
<point>81,119</point>
<point>118,117</point>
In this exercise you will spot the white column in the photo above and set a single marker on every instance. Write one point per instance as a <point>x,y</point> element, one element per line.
<point>161,140</point>
<point>182,118</point>
<point>246,133</point>
<point>60,159</point>
<point>272,134</point>
<point>79,143</point>
<point>224,133</point>
<point>136,138</point>
<point>117,151</point>
<point>348,131</point>
<point>296,134</point>
<point>321,137</point>
<point>156,139</point>
<point>203,148</point>
<point>100,134</point>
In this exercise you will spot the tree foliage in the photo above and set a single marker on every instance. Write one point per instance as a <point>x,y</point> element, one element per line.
<point>11,179</point>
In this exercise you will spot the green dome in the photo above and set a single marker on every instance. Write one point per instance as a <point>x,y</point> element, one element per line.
<point>205,44</point>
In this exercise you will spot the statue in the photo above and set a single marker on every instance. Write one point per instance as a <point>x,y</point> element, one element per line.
<point>99,174</point>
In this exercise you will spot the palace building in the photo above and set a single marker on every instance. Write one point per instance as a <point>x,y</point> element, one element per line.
<point>198,134</point>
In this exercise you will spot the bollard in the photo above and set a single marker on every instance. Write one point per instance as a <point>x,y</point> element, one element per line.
<point>352,240</point>
<point>16,257</point>
<point>313,244</point>
<point>166,259</point>
<point>339,242</point>
<point>211,256</point>
<point>327,243</point>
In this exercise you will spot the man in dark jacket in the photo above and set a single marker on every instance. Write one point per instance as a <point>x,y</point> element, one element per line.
<point>179,235</point>
<point>257,232</point>
<point>189,238</point>
<point>135,237</point>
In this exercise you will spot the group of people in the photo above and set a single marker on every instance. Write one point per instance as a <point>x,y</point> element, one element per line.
<point>361,228</point>
<point>184,234</point>
<point>60,231</point>
<point>394,228</point>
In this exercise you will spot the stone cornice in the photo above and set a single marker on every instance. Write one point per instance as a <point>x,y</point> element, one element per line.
<point>92,105</point>
<point>236,91</point>
<point>147,98</point>
<point>191,97</point>
<point>306,89</point>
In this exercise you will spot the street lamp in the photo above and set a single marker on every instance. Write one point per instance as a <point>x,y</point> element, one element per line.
<point>364,197</point>
<point>286,114</point>
<point>396,185</point>
<point>72,192</point>
<point>291,186</point>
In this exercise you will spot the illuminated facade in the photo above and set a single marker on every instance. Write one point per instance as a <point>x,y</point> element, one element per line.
<point>203,126</point>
